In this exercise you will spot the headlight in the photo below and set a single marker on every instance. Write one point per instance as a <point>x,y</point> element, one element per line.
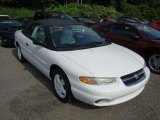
<point>97,80</point>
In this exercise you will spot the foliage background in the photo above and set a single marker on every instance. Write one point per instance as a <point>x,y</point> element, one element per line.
<point>85,8</point>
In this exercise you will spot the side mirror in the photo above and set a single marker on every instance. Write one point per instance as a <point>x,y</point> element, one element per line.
<point>38,42</point>
<point>134,36</point>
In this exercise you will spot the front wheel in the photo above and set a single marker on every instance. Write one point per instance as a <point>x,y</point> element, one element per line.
<point>61,85</point>
<point>153,62</point>
<point>19,54</point>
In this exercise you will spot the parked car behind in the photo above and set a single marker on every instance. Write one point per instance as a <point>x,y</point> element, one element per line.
<point>51,15</point>
<point>85,21</point>
<point>25,20</point>
<point>81,63</point>
<point>107,20</point>
<point>145,21</point>
<point>141,38</point>
<point>126,20</point>
<point>104,20</point>
<point>7,30</point>
<point>4,17</point>
<point>132,20</point>
<point>155,24</point>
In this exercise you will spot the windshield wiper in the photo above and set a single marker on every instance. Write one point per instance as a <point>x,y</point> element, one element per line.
<point>96,44</point>
<point>69,45</point>
<point>91,44</point>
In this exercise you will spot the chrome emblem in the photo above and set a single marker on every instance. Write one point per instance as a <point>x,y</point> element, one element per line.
<point>136,76</point>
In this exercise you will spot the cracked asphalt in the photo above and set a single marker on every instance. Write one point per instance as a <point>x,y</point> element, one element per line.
<point>26,94</point>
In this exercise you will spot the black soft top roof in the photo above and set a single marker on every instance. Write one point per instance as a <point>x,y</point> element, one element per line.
<point>56,22</point>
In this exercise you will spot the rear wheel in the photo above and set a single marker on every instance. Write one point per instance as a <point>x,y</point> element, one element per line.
<point>61,85</point>
<point>153,62</point>
<point>19,54</point>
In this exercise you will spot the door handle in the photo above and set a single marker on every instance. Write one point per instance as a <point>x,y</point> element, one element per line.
<point>27,44</point>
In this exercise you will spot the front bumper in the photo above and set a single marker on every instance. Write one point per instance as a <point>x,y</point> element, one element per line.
<point>107,95</point>
<point>8,39</point>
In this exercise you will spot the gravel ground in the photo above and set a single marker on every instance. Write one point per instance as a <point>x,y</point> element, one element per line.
<point>26,94</point>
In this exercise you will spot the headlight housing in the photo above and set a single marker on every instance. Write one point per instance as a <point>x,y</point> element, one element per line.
<point>97,80</point>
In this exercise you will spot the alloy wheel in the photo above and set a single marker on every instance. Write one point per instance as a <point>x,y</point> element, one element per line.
<point>59,85</point>
<point>19,53</point>
<point>154,63</point>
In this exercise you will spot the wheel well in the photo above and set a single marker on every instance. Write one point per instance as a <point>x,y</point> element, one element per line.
<point>149,52</point>
<point>17,44</point>
<point>53,67</point>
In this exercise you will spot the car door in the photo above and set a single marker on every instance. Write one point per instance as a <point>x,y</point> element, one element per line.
<point>126,36</point>
<point>26,43</point>
<point>37,48</point>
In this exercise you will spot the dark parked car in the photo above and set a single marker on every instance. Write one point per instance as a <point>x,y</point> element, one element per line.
<point>108,20</point>
<point>132,20</point>
<point>51,15</point>
<point>7,30</point>
<point>141,38</point>
<point>85,21</point>
<point>128,19</point>
<point>4,17</point>
<point>25,20</point>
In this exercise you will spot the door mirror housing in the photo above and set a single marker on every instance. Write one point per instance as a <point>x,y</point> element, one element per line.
<point>38,42</point>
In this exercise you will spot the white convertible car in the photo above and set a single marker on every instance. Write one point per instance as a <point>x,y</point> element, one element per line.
<point>81,63</point>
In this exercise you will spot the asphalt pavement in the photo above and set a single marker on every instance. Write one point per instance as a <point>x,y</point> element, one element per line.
<point>26,94</point>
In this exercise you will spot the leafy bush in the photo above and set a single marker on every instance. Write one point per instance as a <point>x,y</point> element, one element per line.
<point>76,10</point>
<point>141,11</point>
<point>86,10</point>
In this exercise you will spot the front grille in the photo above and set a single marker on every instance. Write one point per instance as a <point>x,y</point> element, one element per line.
<point>133,78</point>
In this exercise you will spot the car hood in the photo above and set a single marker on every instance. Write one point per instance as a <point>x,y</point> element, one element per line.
<point>106,61</point>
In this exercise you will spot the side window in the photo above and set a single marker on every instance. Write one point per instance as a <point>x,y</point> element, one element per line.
<point>38,34</point>
<point>123,30</point>
<point>35,33</point>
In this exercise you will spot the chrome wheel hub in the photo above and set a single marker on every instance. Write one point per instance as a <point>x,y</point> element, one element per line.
<point>19,53</point>
<point>59,85</point>
<point>154,62</point>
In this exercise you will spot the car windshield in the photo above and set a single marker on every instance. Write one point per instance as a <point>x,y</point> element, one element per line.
<point>149,32</point>
<point>75,37</point>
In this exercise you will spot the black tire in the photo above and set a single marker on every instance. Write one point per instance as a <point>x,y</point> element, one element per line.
<point>20,55</point>
<point>3,42</point>
<point>58,73</point>
<point>153,62</point>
